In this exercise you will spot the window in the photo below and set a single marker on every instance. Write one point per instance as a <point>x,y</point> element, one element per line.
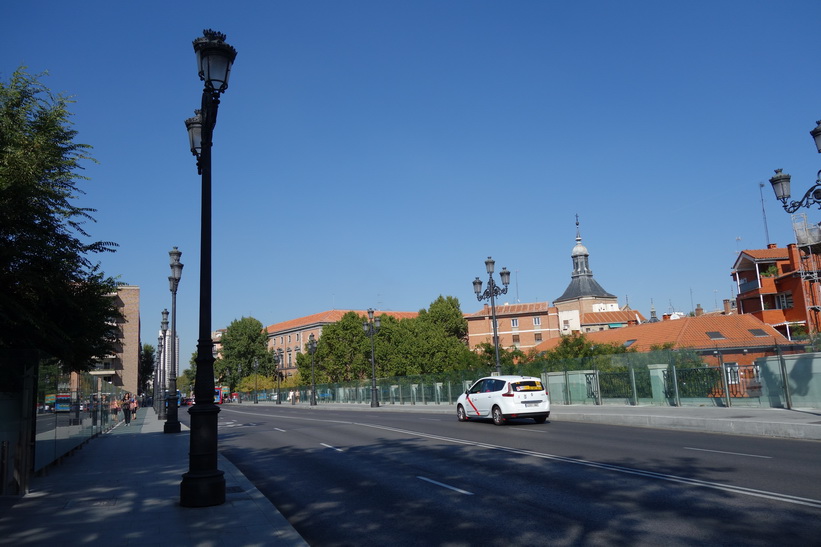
<point>514,323</point>
<point>538,336</point>
<point>732,373</point>
<point>515,338</point>
<point>759,333</point>
<point>629,343</point>
<point>537,321</point>
<point>783,301</point>
<point>715,335</point>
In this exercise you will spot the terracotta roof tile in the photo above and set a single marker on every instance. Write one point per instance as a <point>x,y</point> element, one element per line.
<point>513,309</point>
<point>331,316</point>
<point>688,332</point>
<point>607,317</point>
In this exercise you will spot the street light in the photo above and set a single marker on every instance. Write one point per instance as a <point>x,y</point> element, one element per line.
<point>158,386</point>
<point>204,484</point>
<point>277,362</point>
<point>312,350</point>
<point>371,327</point>
<point>492,291</point>
<point>161,412</point>
<point>256,376</point>
<point>781,183</point>
<point>172,424</point>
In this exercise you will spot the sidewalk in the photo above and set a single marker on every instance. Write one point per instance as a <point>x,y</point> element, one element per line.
<point>122,488</point>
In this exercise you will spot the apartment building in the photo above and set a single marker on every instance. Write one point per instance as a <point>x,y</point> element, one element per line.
<point>779,286</point>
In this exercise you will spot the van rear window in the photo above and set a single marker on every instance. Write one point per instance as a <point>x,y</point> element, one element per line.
<point>528,385</point>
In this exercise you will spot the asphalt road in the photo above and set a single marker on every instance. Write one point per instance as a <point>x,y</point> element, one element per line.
<point>393,478</point>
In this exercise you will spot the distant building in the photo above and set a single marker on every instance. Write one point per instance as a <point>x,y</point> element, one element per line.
<point>289,337</point>
<point>121,368</point>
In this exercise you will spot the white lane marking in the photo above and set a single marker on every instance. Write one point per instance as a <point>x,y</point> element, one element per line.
<point>278,429</point>
<point>730,453</point>
<point>443,485</point>
<point>331,447</point>
<point>618,469</point>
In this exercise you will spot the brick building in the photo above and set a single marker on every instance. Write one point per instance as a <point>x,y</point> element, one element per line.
<point>122,367</point>
<point>779,286</point>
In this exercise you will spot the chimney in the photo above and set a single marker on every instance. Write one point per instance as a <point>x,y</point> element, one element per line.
<point>728,307</point>
<point>665,317</point>
<point>699,310</point>
<point>772,245</point>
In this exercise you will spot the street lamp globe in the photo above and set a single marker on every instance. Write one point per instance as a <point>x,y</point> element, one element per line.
<point>214,60</point>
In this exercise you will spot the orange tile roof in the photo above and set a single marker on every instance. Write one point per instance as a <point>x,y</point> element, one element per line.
<point>331,316</point>
<point>512,309</point>
<point>779,253</point>
<point>688,332</point>
<point>607,317</point>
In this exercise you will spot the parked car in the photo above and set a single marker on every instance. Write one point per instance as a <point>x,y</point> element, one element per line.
<point>503,397</point>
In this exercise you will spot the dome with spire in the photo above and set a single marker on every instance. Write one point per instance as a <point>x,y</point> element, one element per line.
<point>582,284</point>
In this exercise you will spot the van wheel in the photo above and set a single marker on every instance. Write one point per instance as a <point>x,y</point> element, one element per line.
<point>460,414</point>
<point>540,419</point>
<point>498,419</point>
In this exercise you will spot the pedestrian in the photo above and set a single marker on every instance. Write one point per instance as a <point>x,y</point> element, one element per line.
<point>126,406</point>
<point>134,406</point>
<point>115,410</point>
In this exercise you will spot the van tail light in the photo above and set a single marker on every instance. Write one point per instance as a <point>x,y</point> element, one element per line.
<point>509,392</point>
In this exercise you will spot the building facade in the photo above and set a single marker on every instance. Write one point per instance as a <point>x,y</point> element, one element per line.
<point>121,368</point>
<point>779,286</point>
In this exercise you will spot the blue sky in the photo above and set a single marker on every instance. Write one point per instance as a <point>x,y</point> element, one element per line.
<point>374,153</point>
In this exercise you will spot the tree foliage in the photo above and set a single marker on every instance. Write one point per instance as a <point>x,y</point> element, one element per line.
<point>432,342</point>
<point>146,368</point>
<point>53,297</point>
<point>243,343</point>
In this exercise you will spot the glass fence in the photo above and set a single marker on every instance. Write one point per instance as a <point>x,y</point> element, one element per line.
<point>782,382</point>
<point>70,410</point>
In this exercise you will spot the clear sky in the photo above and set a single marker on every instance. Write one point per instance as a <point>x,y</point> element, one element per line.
<point>374,153</point>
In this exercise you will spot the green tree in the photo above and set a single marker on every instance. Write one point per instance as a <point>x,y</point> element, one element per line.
<point>446,313</point>
<point>53,297</point>
<point>341,350</point>
<point>146,368</point>
<point>243,342</point>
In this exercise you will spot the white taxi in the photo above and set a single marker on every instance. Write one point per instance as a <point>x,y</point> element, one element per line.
<point>503,397</point>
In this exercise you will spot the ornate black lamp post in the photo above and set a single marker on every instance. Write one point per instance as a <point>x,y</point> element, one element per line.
<point>256,377</point>
<point>312,350</point>
<point>161,412</point>
<point>781,183</point>
<point>172,424</point>
<point>159,397</point>
<point>204,484</point>
<point>278,362</point>
<point>371,327</point>
<point>492,291</point>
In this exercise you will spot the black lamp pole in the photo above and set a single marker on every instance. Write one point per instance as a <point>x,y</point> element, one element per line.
<point>312,350</point>
<point>172,423</point>
<point>204,484</point>
<point>161,412</point>
<point>371,327</point>
<point>278,360</point>
<point>492,291</point>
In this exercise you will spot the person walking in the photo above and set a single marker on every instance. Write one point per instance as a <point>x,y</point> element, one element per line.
<point>134,406</point>
<point>126,406</point>
<point>115,410</point>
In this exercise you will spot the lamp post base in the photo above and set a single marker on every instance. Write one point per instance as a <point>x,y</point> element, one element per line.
<point>171,427</point>
<point>202,490</point>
